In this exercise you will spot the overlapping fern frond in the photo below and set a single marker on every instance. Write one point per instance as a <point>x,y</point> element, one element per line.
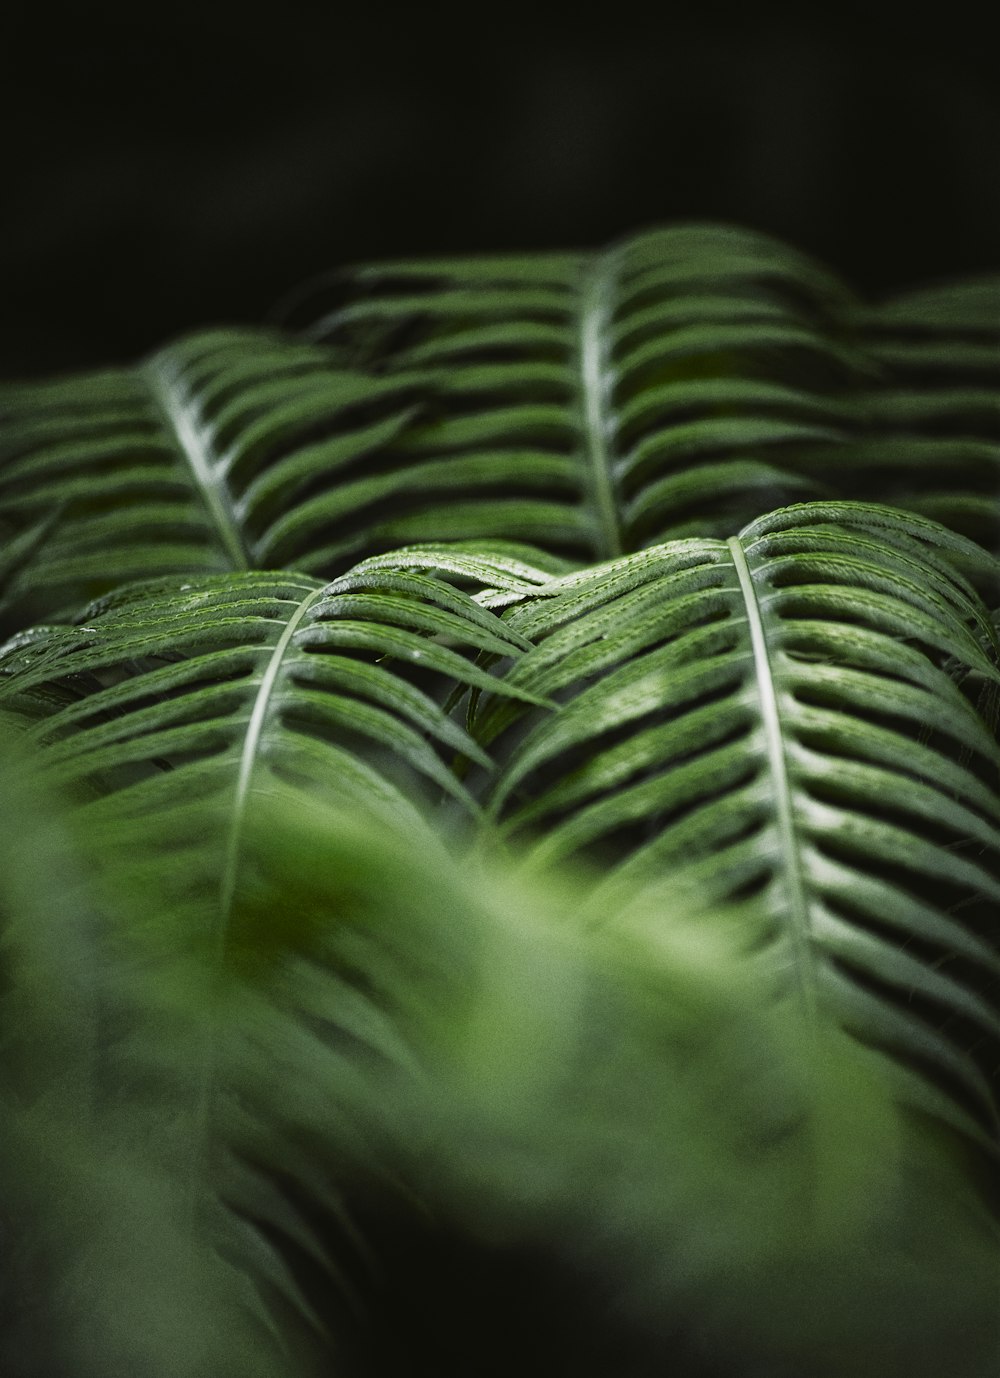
<point>181,691</point>
<point>464,573</point>
<point>934,437</point>
<point>620,397</point>
<point>803,714</point>
<point>676,384</point>
<point>225,451</point>
<point>691,378</point>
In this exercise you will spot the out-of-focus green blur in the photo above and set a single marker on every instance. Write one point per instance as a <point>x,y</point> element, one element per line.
<point>412,1114</point>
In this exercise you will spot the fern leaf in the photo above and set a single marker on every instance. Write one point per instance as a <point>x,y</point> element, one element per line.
<point>794,715</point>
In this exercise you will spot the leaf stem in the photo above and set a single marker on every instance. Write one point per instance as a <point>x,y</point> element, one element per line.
<point>248,756</point>
<point>778,762</point>
<point>228,881</point>
<point>595,379</point>
<point>176,412</point>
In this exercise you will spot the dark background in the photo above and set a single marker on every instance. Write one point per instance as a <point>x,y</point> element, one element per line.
<point>166,168</point>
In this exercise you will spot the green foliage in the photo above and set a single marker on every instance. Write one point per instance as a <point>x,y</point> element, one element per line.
<point>678,384</point>
<point>510,767</point>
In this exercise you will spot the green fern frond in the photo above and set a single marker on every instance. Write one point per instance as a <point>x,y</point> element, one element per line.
<point>797,715</point>
<point>177,692</point>
<point>934,443</point>
<point>192,463</point>
<point>640,389</point>
<point>294,980</point>
<point>590,404</point>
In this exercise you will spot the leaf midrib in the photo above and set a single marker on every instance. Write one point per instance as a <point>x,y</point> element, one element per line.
<point>594,334</point>
<point>248,755</point>
<point>207,479</point>
<point>798,907</point>
<point>230,873</point>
